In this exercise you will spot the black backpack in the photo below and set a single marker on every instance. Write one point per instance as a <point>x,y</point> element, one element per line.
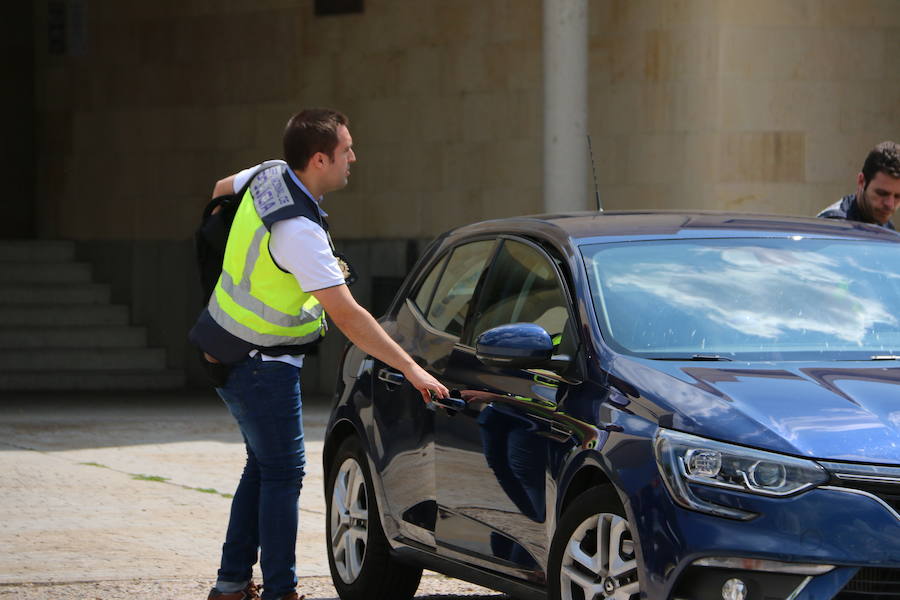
<point>211,236</point>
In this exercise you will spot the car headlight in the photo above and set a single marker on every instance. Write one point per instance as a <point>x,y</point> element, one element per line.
<point>683,458</point>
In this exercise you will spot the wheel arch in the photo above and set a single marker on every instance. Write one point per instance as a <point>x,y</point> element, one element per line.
<point>339,432</point>
<point>585,474</point>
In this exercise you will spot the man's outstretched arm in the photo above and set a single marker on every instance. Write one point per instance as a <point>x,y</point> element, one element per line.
<point>363,330</point>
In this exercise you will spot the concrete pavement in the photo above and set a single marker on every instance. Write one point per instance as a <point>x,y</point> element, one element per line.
<point>135,488</point>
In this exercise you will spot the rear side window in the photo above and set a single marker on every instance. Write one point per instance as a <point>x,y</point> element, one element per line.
<point>452,300</point>
<point>423,296</point>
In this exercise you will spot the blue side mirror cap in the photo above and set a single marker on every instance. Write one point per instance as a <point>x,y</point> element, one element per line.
<point>516,346</point>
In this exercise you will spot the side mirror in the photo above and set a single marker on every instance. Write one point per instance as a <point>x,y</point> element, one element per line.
<point>514,346</point>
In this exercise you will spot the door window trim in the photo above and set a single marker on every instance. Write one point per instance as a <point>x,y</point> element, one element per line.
<point>466,337</point>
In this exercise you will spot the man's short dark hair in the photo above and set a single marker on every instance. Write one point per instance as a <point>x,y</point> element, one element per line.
<point>310,131</point>
<point>884,158</point>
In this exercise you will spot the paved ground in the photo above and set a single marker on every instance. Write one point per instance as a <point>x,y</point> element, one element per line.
<point>114,497</point>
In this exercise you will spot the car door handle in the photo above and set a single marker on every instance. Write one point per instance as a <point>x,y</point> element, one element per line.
<point>455,404</point>
<point>555,430</point>
<point>391,377</point>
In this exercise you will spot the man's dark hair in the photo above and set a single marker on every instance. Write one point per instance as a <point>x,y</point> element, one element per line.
<point>884,158</point>
<point>310,131</point>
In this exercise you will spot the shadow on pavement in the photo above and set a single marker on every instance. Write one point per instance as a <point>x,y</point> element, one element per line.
<point>71,421</point>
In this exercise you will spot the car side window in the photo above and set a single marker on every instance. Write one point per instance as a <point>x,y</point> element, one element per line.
<point>522,287</point>
<point>453,295</point>
<point>423,296</point>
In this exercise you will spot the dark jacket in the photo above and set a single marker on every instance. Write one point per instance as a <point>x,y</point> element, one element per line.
<point>848,209</point>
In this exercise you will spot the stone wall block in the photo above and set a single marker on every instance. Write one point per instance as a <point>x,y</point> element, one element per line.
<point>849,55</point>
<point>463,69</point>
<point>345,211</point>
<point>323,36</point>
<point>774,156</point>
<point>56,131</point>
<point>515,65</point>
<point>634,14</point>
<point>156,42</point>
<point>628,60</point>
<point>113,43</point>
<point>419,72</point>
<point>273,33</point>
<point>318,80</point>
<point>522,20</point>
<point>513,164</point>
<point>655,158</point>
<point>152,129</point>
<point>860,13</point>
<point>192,128</point>
<point>450,208</point>
<point>384,119</point>
<point>771,13</point>
<point>463,166</point>
<point>234,127</point>
<point>773,54</point>
<point>676,106</point>
<point>441,118</point>
<point>600,50</point>
<point>621,113</point>
<point>681,13</point>
<point>465,21</point>
<point>836,158</point>
<point>766,198</point>
<point>502,202</point>
<point>784,105</point>
<point>871,107</point>
<point>393,214</point>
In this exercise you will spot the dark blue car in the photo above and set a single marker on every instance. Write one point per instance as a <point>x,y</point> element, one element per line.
<point>643,405</point>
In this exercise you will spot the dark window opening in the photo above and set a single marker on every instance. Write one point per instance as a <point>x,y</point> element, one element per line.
<point>338,7</point>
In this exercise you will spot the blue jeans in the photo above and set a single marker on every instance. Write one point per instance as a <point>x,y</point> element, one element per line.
<point>264,398</point>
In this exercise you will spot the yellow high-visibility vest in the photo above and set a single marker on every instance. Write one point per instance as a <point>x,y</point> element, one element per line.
<point>254,299</point>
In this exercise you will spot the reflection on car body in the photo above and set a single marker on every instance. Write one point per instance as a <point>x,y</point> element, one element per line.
<point>643,405</point>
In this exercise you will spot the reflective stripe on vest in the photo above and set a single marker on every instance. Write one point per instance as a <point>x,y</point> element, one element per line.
<point>254,299</point>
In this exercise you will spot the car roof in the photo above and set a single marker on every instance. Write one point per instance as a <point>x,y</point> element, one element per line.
<point>609,226</point>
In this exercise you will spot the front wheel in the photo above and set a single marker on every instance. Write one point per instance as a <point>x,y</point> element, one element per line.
<point>358,552</point>
<point>592,556</point>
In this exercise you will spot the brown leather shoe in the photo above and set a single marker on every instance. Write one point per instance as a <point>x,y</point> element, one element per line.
<point>251,592</point>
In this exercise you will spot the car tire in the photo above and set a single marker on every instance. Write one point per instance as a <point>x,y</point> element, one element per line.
<point>593,551</point>
<point>359,555</point>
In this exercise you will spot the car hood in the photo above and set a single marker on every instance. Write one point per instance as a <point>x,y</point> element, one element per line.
<point>844,413</point>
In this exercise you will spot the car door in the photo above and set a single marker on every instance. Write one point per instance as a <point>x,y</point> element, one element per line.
<point>492,455</point>
<point>427,326</point>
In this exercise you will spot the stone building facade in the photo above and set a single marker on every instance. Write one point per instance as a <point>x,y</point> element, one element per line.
<point>138,107</point>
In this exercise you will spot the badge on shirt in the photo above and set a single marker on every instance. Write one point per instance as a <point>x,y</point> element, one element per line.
<point>346,269</point>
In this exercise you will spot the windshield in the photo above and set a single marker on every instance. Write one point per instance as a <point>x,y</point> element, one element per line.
<point>748,299</point>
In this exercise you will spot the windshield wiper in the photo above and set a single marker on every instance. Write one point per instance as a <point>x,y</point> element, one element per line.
<point>710,357</point>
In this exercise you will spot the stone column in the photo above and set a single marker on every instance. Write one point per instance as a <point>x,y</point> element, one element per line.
<point>566,163</point>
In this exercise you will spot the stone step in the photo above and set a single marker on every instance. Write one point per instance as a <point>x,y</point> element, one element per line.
<point>51,315</point>
<point>98,336</point>
<point>81,359</point>
<point>94,380</point>
<point>45,272</point>
<point>37,250</point>
<point>41,293</point>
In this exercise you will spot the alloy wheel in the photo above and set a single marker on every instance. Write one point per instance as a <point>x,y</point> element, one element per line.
<point>599,561</point>
<point>349,520</point>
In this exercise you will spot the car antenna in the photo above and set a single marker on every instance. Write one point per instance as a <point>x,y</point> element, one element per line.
<point>594,171</point>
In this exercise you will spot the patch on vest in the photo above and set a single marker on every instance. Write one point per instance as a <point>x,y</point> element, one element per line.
<point>270,192</point>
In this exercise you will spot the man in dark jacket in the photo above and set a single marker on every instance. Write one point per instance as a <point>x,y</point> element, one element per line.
<point>877,190</point>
